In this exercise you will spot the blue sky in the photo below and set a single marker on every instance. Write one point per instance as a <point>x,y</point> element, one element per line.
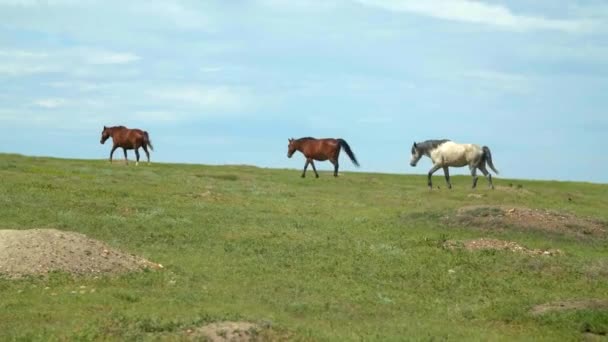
<point>228,82</point>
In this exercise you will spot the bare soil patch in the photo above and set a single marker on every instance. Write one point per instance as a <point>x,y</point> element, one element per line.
<point>500,245</point>
<point>226,331</point>
<point>236,331</point>
<point>527,218</point>
<point>584,304</point>
<point>40,251</point>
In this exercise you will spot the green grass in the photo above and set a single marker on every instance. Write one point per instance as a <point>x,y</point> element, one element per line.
<point>360,257</point>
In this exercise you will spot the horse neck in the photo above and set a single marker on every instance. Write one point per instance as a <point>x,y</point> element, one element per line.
<point>299,145</point>
<point>427,149</point>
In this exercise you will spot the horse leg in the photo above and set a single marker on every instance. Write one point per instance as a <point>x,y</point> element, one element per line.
<point>126,160</point>
<point>314,168</point>
<point>431,171</point>
<point>446,172</point>
<point>137,156</point>
<point>112,152</point>
<point>305,166</point>
<point>336,165</point>
<point>474,175</point>
<point>147,153</point>
<point>485,172</point>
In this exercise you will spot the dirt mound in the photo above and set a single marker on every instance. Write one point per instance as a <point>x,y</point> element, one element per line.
<point>485,244</point>
<point>585,304</point>
<point>538,219</point>
<point>39,251</point>
<point>227,331</point>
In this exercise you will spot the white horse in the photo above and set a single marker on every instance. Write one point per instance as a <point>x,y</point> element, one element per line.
<point>445,153</point>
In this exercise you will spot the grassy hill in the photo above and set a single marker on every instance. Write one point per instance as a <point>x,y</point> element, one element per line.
<point>363,256</point>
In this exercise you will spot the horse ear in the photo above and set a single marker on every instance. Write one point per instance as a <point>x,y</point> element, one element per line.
<point>415,145</point>
<point>104,127</point>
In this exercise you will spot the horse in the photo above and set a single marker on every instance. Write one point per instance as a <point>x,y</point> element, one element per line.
<point>445,153</point>
<point>321,150</point>
<point>128,139</point>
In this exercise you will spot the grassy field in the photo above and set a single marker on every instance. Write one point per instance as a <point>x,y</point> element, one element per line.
<point>360,257</point>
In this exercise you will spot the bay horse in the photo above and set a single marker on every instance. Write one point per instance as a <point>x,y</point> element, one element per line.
<point>128,139</point>
<point>445,153</point>
<point>321,150</point>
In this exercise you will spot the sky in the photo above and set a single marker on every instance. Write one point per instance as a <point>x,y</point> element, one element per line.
<point>229,82</point>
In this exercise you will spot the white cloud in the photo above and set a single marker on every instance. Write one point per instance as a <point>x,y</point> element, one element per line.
<point>509,82</point>
<point>21,69</point>
<point>32,3</point>
<point>75,61</point>
<point>479,13</point>
<point>160,116</point>
<point>211,69</point>
<point>107,57</point>
<point>174,13</point>
<point>496,76</point>
<point>22,54</point>
<point>215,97</point>
<point>300,5</point>
<point>50,103</point>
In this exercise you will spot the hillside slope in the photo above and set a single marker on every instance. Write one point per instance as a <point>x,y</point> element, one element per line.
<point>363,256</point>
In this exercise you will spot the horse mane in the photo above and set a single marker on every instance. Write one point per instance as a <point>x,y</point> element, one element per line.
<point>306,138</point>
<point>434,143</point>
<point>428,145</point>
<point>117,127</point>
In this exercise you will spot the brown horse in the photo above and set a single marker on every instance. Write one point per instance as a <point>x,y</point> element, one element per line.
<point>128,139</point>
<point>320,149</point>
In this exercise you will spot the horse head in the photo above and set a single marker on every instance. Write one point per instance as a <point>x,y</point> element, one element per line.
<point>416,155</point>
<point>291,148</point>
<point>105,134</point>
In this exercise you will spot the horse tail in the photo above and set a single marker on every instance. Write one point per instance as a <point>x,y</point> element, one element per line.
<point>348,151</point>
<point>147,140</point>
<point>487,156</point>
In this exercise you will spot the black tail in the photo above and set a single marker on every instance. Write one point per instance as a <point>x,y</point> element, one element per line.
<point>348,151</point>
<point>147,140</point>
<point>487,155</point>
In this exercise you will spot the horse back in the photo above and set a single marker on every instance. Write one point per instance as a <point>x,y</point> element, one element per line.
<point>321,149</point>
<point>129,138</point>
<point>454,154</point>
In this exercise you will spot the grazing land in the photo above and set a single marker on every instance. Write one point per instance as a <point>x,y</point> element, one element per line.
<point>360,257</point>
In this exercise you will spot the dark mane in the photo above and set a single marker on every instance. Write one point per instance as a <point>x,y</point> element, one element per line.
<point>306,138</point>
<point>428,145</point>
<point>436,142</point>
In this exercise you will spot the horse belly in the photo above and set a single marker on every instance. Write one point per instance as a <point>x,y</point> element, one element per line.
<point>320,157</point>
<point>458,162</point>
